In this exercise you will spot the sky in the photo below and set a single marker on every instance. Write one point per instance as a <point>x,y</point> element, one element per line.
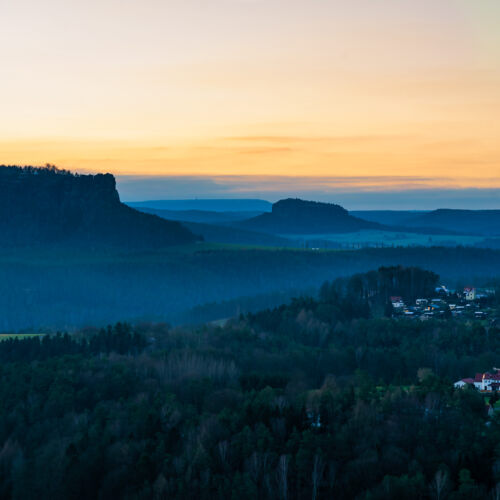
<point>370,101</point>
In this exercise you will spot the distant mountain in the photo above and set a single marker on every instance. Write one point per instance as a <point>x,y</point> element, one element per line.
<point>200,216</point>
<point>480,222</point>
<point>295,216</point>
<point>213,205</point>
<point>48,206</point>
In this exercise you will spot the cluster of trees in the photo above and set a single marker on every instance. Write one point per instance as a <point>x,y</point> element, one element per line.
<point>378,286</point>
<point>47,170</point>
<point>316,399</point>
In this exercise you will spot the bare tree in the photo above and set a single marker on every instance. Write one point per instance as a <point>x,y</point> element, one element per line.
<point>282,474</point>
<point>317,474</point>
<point>223,448</point>
<point>440,485</point>
<point>495,493</point>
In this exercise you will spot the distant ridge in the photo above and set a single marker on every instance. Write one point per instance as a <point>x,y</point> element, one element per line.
<point>480,222</point>
<point>199,216</point>
<point>44,206</point>
<point>213,205</point>
<point>387,217</point>
<point>296,216</point>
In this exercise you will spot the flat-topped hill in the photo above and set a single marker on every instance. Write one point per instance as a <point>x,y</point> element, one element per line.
<point>295,216</point>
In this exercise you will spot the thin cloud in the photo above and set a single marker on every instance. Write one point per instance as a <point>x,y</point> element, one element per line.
<point>315,139</point>
<point>264,151</point>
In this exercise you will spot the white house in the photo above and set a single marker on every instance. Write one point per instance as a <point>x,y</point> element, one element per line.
<point>487,382</point>
<point>397,302</point>
<point>463,383</point>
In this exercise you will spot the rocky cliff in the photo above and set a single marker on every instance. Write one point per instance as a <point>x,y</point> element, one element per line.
<point>48,206</point>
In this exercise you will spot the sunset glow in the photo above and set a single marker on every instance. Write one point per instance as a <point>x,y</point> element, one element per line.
<point>394,94</point>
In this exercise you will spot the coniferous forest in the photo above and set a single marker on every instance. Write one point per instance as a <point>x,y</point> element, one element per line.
<point>325,397</point>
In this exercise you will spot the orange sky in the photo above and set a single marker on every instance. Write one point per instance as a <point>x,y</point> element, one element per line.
<point>393,93</point>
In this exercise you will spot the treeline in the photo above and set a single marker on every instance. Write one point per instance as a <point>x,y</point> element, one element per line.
<point>408,282</point>
<point>119,339</point>
<point>46,170</point>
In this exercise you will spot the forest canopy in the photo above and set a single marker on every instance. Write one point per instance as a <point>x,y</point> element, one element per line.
<point>319,398</point>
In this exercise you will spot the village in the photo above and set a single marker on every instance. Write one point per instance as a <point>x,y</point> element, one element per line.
<point>469,303</point>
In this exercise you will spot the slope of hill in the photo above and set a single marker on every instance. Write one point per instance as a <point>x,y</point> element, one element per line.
<point>388,217</point>
<point>236,236</point>
<point>213,205</point>
<point>295,216</point>
<point>47,206</point>
<point>200,216</point>
<point>483,222</point>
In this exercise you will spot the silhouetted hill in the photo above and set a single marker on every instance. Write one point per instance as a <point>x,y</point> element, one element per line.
<point>48,206</point>
<point>483,222</point>
<point>295,216</point>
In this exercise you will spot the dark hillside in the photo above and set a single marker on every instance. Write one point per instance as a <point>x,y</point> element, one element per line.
<point>236,236</point>
<point>387,217</point>
<point>214,227</point>
<point>47,206</point>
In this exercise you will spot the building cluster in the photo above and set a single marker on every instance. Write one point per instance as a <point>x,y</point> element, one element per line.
<point>484,382</point>
<point>467,303</point>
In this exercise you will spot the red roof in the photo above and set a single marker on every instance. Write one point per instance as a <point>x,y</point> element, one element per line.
<point>468,380</point>
<point>478,377</point>
<point>396,299</point>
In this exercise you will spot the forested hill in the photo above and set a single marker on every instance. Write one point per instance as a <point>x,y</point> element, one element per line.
<point>48,206</point>
<point>295,216</point>
<point>313,400</point>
